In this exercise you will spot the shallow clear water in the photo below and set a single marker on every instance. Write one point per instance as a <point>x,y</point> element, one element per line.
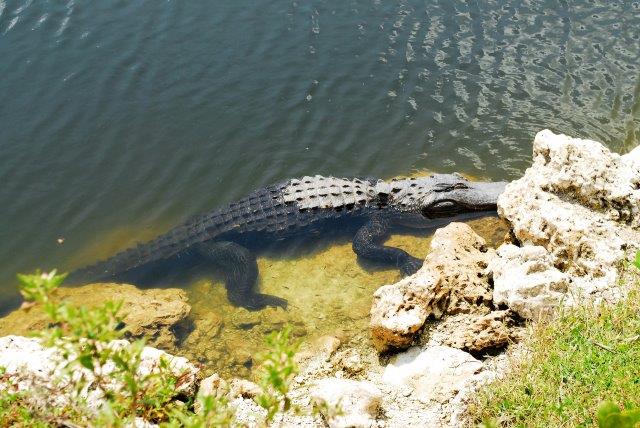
<point>119,119</point>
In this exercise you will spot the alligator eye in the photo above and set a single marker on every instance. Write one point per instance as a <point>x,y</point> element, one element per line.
<point>443,208</point>
<point>443,205</point>
<point>460,186</point>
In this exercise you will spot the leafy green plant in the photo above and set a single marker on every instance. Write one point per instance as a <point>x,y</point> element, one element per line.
<point>38,287</point>
<point>489,423</point>
<point>94,359</point>
<point>610,416</point>
<point>85,338</point>
<point>278,369</point>
<point>213,412</point>
<point>636,262</point>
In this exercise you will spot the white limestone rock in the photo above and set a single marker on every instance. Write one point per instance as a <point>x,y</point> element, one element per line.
<point>141,423</point>
<point>476,333</point>
<point>31,366</point>
<point>579,202</point>
<point>358,401</point>
<point>244,388</point>
<point>526,281</point>
<point>434,374</point>
<point>452,280</point>
<point>213,385</point>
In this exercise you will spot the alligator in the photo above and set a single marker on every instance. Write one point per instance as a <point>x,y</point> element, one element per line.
<point>228,237</point>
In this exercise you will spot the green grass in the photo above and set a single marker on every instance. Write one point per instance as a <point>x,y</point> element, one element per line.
<point>588,355</point>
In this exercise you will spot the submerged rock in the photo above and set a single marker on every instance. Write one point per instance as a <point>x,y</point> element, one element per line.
<point>151,313</point>
<point>575,214</point>
<point>357,402</point>
<point>452,280</point>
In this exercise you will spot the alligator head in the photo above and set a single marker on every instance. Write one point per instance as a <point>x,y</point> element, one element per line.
<point>442,195</point>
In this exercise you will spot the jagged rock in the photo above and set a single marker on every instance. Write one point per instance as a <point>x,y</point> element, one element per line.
<point>350,361</point>
<point>436,373</point>
<point>357,400</point>
<point>452,280</point>
<point>527,282</point>
<point>476,333</point>
<point>581,204</point>
<point>460,256</point>
<point>326,345</point>
<point>213,385</point>
<point>31,366</point>
<point>244,388</point>
<point>148,313</point>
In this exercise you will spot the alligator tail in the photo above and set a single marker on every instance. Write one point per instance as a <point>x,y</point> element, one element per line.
<point>162,247</point>
<point>109,269</point>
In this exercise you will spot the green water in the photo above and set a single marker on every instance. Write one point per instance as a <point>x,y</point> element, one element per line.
<point>120,119</point>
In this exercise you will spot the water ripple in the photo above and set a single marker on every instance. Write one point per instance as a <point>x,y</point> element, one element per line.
<point>145,112</point>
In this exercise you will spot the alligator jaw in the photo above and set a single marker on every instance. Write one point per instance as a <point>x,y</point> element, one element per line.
<point>482,196</point>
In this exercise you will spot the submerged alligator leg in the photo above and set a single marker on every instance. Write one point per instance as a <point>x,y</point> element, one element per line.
<point>241,271</point>
<point>368,244</point>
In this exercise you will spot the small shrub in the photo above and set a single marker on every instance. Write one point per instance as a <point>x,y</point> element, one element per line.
<point>83,335</point>
<point>278,369</point>
<point>610,416</point>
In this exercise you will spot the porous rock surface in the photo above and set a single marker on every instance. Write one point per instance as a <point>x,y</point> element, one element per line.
<point>434,374</point>
<point>526,280</point>
<point>213,386</point>
<point>575,214</point>
<point>151,313</point>
<point>477,333</point>
<point>425,386</point>
<point>30,366</point>
<point>358,401</point>
<point>452,280</point>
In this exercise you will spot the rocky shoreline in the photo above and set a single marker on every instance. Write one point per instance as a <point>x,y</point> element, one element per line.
<point>438,336</point>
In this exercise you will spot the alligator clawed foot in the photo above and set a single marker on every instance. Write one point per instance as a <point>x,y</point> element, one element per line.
<point>261,301</point>
<point>411,266</point>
